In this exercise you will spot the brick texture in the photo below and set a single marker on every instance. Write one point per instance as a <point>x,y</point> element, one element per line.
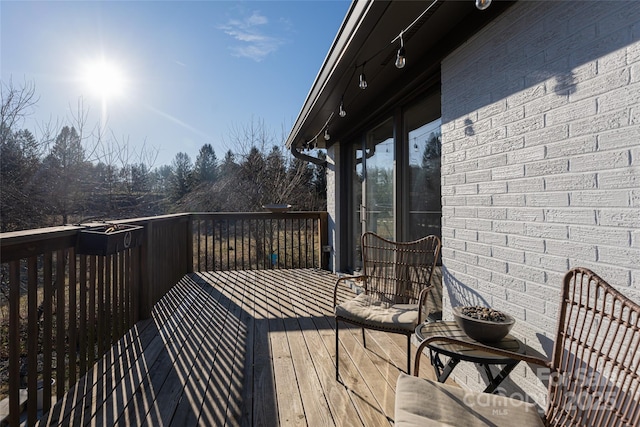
<point>541,171</point>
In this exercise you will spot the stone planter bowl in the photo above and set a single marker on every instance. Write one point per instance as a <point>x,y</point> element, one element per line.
<point>484,331</point>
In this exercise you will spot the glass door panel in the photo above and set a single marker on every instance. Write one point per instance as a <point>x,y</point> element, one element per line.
<point>425,202</point>
<point>379,181</point>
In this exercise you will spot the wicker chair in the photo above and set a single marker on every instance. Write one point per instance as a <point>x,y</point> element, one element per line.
<point>593,379</point>
<point>395,284</point>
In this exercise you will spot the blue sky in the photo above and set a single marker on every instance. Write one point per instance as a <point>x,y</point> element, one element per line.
<point>192,72</point>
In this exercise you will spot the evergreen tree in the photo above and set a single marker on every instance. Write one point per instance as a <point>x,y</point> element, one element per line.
<point>206,166</point>
<point>432,151</point>
<point>160,178</point>
<point>228,166</point>
<point>252,179</point>
<point>140,182</point>
<point>67,172</point>
<point>274,177</point>
<point>181,179</point>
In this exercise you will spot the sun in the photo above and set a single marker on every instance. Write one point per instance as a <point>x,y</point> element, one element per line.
<point>104,79</point>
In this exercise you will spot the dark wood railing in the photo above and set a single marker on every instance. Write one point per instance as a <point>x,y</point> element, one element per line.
<point>167,255</point>
<point>65,309</point>
<point>250,241</point>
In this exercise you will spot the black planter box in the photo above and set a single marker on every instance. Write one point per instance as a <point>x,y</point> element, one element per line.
<point>108,239</point>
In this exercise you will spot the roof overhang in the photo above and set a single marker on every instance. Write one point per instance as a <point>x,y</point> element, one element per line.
<point>369,36</point>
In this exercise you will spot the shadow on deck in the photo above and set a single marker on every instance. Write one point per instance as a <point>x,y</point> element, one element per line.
<point>243,348</point>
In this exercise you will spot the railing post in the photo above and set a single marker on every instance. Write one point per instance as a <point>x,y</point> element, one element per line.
<point>147,267</point>
<point>324,239</point>
<point>14,343</point>
<point>189,249</point>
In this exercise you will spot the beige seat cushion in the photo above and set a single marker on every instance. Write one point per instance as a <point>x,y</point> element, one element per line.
<point>421,402</point>
<point>371,311</point>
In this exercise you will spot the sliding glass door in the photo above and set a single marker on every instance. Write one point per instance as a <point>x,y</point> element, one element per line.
<point>395,177</point>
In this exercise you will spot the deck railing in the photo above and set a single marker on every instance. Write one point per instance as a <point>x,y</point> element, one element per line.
<point>60,311</point>
<point>250,241</point>
<point>64,311</point>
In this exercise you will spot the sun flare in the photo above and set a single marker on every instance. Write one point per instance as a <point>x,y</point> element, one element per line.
<point>104,79</point>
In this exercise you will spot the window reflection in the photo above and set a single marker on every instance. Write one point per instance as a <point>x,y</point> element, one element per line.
<point>425,203</point>
<point>379,180</point>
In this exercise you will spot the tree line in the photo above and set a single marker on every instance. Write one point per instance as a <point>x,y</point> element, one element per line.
<point>73,175</point>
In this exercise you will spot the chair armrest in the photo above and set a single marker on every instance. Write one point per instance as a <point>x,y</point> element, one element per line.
<point>344,279</point>
<point>422,301</point>
<point>478,346</point>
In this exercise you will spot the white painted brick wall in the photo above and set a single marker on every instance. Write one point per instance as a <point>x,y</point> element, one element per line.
<point>541,163</point>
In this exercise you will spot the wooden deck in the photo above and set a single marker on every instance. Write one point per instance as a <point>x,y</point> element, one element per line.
<point>245,348</point>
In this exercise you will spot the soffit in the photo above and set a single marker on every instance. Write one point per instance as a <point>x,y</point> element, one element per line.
<point>367,34</point>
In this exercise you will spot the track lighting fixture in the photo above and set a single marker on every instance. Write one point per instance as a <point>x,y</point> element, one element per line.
<point>326,134</point>
<point>342,113</point>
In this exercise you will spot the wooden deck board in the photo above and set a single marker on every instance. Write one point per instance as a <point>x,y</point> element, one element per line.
<point>316,410</point>
<point>241,348</point>
<point>265,411</point>
<point>322,353</point>
<point>246,387</point>
<point>206,347</point>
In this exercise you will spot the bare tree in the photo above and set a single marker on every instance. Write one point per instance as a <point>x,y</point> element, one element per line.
<point>244,138</point>
<point>22,203</point>
<point>17,103</point>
